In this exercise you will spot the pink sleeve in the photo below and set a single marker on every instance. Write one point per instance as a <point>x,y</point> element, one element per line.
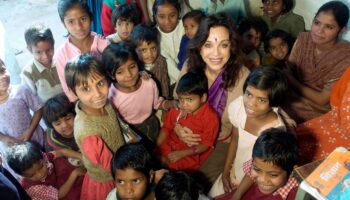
<point>97,151</point>
<point>61,62</point>
<point>157,100</point>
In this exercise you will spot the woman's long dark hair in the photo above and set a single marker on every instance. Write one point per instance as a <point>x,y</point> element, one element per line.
<point>233,66</point>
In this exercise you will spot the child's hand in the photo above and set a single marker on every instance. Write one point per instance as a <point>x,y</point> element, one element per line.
<point>26,135</point>
<point>187,136</point>
<point>226,181</point>
<point>79,171</point>
<point>144,75</point>
<point>159,174</point>
<point>176,155</point>
<point>10,140</point>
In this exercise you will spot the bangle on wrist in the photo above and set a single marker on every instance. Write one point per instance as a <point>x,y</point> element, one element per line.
<point>194,149</point>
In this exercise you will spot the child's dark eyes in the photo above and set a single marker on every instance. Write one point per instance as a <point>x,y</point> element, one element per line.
<point>261,100</point>
<point>137,181</point>
<point>101,83</point>
<point>85,89</point>
<point>256,169</point>
<point>274,175</point>
<point>132,66</point>
<point>247,93</point>
<point>329,27</point>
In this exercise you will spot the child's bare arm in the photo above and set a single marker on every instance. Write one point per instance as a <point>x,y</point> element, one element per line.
<point>67,186</point>
<point>231,155</point>
<point>8,139</point>
<point>243,187</point>
<point>168,104</point>
<point>27,135</point>
<point>144,9</point>
<point>68,153</point>
<point>161,138</point>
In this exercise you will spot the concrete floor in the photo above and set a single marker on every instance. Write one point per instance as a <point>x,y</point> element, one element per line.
<point>17,15</point>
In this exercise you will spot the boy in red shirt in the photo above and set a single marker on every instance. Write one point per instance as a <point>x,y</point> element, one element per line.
<point>194,114</point>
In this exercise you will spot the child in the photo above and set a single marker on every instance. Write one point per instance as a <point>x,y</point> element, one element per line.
<point>166,16</point>
<point>16,122</point>
<point>109,5</point>
<point>195,114</point>
<point>257,110</point>
<point>177,185</point>
<point>268,174</point>
<point>124,18</point>
<point>278,14</point>
<point>59,114</point>
<point>191,21</point>
<point>80,40</point>
<point>252,31</point>
<point>277,46</point>
<point>40,74</point>
<point>132,169</point>
<point>10,188</point>
<point>96,128</point>
<point>134,98</point>
<point>39,178</point>
<point>145,38</point>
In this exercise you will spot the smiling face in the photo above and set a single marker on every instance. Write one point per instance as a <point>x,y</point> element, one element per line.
<point>325,29</point>
<point>268,177</point>
<point>191,27</point>
<point>256,102</point>
<point>278,48</point>
<point>167,17</point>
<point>124,28</point>
<point>77,22</point>
<point>147,52</point>
<point>4,79</point>
<point>127,76</point>
<point>273,8</point>
<point>216,50</point>
<point>64,125</point>
<point>43,52</point>
<point>38,171</point>
<point>131,184</point>
<point>93,94</point>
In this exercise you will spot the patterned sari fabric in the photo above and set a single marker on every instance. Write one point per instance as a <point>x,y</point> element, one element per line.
<point>318,72</point>
<point>320,136</point>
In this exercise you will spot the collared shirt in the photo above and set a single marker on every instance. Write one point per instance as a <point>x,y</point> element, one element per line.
<point>41,80</point>
<point>42,190</point>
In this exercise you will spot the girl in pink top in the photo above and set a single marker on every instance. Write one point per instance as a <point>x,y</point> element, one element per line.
<point>133,97</point>
<point>76,18</point>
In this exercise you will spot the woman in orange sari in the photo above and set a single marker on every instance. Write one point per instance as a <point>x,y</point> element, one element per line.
<point>320,136</point>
